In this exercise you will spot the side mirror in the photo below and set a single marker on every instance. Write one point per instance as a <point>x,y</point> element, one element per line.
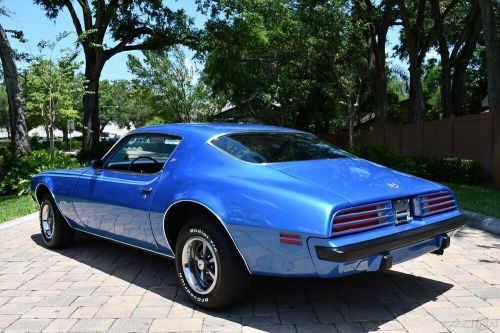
<point>96,164</point>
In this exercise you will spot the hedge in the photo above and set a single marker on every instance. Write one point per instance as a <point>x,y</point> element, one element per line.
<point>447,169</point>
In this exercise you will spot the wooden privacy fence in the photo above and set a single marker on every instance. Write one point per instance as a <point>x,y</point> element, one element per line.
<point>475,137</point>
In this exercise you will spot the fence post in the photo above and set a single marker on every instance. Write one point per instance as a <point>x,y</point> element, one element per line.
<point>495,133</point>
<point>400,138</point>
<point>452,136</point>
<point>423,137</point>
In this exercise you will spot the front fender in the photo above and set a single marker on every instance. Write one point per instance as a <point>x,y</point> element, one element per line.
<point>60,183</point>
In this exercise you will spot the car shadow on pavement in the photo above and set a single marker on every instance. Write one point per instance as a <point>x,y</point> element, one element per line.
<point>359,303</point>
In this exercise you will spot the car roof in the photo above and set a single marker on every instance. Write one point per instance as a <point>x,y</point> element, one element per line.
<point>207,130</point>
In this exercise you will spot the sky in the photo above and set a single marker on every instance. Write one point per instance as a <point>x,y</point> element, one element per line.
<point>31,19</point>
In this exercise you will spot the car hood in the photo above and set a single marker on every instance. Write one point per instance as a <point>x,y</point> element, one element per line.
<point>357,180</point>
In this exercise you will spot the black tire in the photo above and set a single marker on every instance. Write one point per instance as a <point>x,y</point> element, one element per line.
<point>60,234</point>
<point>233,279</point>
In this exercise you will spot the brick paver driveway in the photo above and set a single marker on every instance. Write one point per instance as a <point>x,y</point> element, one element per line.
<point>99,286</point>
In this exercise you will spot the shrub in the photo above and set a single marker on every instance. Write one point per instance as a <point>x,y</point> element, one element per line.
<point>19,170</point>
<point>5,160</point>
<point>384,155</point>
<point>451,170</point>
<point>448,169</point>
<point>37,144</point>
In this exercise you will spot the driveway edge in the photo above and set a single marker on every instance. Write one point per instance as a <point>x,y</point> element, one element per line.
<point>483,222</point>
<point>19,220</point>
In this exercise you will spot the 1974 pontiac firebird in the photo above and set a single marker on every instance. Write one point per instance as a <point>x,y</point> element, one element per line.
<point>229,201</point>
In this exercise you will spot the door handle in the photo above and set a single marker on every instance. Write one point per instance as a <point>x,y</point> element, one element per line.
<point>145,190</point>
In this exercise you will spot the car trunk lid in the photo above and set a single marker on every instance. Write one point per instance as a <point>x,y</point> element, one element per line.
<point>356,180</point>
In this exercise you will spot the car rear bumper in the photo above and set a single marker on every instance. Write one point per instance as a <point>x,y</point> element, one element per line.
<point>390,242</point>
<point>343,256</point>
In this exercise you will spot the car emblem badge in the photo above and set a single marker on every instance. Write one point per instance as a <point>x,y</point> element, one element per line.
<point>393,185</point>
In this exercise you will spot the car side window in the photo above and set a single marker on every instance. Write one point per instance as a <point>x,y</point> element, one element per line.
<point>143,153</point>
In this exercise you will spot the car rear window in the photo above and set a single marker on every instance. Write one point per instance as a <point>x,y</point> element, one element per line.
<point>277,147</point>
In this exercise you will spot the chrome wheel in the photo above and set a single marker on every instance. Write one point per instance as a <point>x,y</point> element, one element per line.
<point>47,220</point>
<point>199,265</point>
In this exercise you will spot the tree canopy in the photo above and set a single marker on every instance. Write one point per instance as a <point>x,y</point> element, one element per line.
<point>127,25</point>
<point>321,65</point>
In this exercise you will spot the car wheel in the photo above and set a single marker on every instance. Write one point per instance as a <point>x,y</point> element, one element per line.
<point>209,268</point>
<point>56,232</point>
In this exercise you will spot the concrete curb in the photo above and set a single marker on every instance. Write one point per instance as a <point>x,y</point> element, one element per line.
<point>19,220</point>
<point>483,222</point>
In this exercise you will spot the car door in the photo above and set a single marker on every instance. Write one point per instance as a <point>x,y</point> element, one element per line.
<point>114,201</point>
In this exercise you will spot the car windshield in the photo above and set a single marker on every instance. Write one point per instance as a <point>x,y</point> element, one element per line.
<point>275,147</point>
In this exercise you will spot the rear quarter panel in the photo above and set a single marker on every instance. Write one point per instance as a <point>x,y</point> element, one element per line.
<point>254,202</point>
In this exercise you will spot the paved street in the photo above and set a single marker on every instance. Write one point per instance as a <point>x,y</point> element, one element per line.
<point>100,286</point>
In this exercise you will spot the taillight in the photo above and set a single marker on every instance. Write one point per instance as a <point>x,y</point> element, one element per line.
<point>361,218</point>
<point>434,203</point>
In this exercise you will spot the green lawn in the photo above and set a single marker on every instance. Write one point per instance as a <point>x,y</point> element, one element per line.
<point>478,199</point>
<point>13,206</point>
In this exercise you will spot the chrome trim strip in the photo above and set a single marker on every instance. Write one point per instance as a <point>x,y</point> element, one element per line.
<point>346,224</point>
<point>145,133</point>
<point>163,227</point>
<point>215,137</point>
<point>342,233</point>
<point>442,197</point>
<point>209,142</point>
<point>216,215</point>
<point>93,234</point>
<point>440,204</point>
<point>362,213</point>
<point>440,210</point>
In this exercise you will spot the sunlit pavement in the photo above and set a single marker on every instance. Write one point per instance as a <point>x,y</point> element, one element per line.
<point>100,286</point>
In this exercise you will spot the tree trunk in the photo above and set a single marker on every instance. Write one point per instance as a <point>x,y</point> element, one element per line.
<point>302,119</point>
<point>378,78</point>
<point>47,133</point>
<point>492,53</point>
<point>19,132</point>
<point>51,140</point>
<point>417,100</point>
<point>379,18</point>
<point>64,130</point>
<point>458,92</point>
<point>91,106</point>
<point>460,64</point>
<point>446,99</point>
<point>353,110</point>
<point>414,35</point>
<point>351,129</point>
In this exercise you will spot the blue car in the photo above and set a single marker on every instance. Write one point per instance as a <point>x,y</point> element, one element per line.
<point>229,201</point>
